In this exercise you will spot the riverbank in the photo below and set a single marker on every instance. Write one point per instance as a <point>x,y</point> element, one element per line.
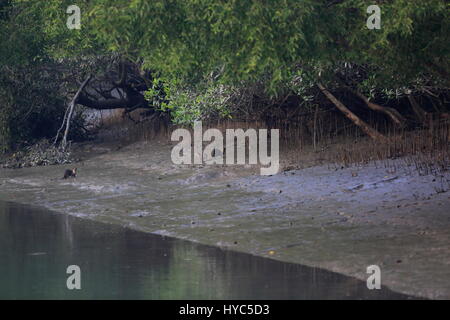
<point>341,220</point>
<point>120,263</point>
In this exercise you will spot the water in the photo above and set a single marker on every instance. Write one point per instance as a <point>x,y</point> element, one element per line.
<point>37,246</point>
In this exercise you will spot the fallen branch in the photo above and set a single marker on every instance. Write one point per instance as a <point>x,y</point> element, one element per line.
<point>62,126</point>
<point>395,116</point>
<point>418,111</point>
<point>71,107</point>
<point>374,134</point>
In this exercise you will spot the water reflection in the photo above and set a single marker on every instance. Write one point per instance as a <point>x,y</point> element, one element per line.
<point>36,246</point>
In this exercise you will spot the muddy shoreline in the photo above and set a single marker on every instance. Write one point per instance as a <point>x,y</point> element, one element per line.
<point>130,264</point>
<point>340,220</point>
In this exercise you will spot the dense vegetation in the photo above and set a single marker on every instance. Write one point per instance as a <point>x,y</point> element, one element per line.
<point>203,59</point>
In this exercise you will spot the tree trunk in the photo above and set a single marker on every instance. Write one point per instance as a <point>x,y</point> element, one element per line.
<point>395,116</point>
<point>62,126</point>
<point>71,107</point>
<point>418,111</point>
<point>315,127</point>
<point>371,132</point>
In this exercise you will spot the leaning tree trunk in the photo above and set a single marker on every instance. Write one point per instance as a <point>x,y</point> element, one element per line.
<point>316,111</point>
<point>371,132</point>
<point>421,115</point>
<point>71,107</point>
<point>395,116</point>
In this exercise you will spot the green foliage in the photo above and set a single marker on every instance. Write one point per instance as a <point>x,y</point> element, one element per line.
<point>19,35</point>
<point>190,39</point>
<point>206,101</point>
<point>246,40</point>
<point>32,102</point>
<point>32,107</point>
<point>250,39</point>
<point>238,42</point>
<point>413,36</point>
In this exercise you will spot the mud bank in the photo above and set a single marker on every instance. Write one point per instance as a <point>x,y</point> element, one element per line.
<point>340,220</point>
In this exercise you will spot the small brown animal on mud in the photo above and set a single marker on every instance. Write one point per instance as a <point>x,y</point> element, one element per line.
<point>70,173</point>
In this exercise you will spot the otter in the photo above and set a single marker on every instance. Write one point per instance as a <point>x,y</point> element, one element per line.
<point>70,173</point>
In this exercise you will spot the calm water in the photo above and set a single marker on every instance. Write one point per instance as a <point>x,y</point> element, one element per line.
<point>36,246</point>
